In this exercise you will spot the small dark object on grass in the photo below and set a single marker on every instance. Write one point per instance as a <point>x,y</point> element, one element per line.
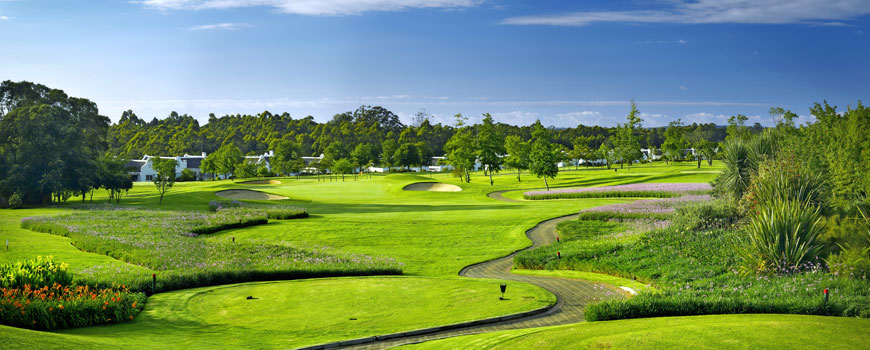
<point>352,319</point>
<point>251,298</point>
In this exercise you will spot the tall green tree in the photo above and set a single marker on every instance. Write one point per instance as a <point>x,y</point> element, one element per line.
<point>407,155</point>
<point>737,128</point>
<point>518,152</point>
<point>675,143</point>
<point>228,158</point>
<point>490,146</point>
<point>165,178</point>
<point>543,156</point>
<point>388,152</point>
<point>627,138</point>
<point>461,153</point>
<point>343,166</point>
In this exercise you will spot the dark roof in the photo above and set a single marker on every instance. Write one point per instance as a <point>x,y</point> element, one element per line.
<point>135,164</point>
<point>192,162</point>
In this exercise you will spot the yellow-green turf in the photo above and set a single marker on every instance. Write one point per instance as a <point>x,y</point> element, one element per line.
<point>691,332</point>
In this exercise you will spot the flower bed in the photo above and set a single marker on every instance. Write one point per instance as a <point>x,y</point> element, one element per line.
<point>648,190</point>
<point>57,306</point>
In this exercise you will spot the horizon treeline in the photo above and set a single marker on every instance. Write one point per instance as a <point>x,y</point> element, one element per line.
<point>132,136</point>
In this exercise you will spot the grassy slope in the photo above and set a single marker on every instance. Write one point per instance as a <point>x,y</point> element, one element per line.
<point>696,332</point>
<point>433,234</point>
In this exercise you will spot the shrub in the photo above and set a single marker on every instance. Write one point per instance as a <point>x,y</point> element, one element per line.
<point>285,213</point>
<point>15,201</point>
<point>708,215</point>
<point>187,175</point>
<point>35,273</point>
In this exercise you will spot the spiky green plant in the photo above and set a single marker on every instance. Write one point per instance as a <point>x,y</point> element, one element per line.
<point>781,237</point>
<point>735,177</point>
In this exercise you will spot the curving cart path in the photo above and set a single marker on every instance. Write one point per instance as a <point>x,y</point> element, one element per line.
<point>571,295</point>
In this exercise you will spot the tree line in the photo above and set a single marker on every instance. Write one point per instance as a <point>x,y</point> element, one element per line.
<point>53,146</point>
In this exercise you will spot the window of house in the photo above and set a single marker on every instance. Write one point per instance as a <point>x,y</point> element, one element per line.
<point>149,177</point>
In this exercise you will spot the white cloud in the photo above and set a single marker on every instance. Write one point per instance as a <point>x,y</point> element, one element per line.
<point>312,7</point>
<point>220,26</point>
<point>683,88</point>
<point>583,117</point>
<point>515,117</point>
<point>4,18</point>
<point>829,12</point>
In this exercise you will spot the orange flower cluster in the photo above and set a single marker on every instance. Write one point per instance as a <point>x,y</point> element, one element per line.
<point>58,306</point>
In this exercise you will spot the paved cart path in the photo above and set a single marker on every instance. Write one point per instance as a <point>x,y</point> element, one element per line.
<point>571,295</point>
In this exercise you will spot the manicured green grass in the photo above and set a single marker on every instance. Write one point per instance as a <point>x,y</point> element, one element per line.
<point>297,313</point>
<point>697,332</point>
<point>590,276</point>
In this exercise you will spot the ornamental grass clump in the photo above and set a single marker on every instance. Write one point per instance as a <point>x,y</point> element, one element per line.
<point>781,237</point>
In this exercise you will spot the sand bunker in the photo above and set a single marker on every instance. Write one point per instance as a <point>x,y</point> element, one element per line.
<point>261,182</point>
<point>249,195</point>
<point>432,186</point>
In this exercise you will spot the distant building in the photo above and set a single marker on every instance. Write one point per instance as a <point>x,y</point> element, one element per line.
<point>142,170</point>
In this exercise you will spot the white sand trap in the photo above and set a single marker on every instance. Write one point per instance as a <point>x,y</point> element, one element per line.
<point>249,195</point>
<point>432,187</point>
<point>261,182</point>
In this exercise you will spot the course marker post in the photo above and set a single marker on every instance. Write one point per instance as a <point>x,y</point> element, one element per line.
<point>558,255</point>
<point>826,295</point>
<point>503,288</point>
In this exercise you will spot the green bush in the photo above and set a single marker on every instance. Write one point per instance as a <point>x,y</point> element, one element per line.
<point>781,237</point>
<point>186,175</point>
<point>285,213</point>
<point>15,201</point>
<point>221,226</point>
<point>36,273</point>
<point>716,214</point>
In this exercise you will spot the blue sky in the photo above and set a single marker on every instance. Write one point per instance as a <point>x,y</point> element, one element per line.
<point>564,62</point>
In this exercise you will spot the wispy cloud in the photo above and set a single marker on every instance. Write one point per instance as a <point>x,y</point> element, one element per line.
<point>826,12</point>
<point>312,7</point>
<point>220,26</point>
<point>663,42</point>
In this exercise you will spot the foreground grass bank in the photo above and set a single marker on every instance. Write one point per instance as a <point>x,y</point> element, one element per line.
<point>695,332</point>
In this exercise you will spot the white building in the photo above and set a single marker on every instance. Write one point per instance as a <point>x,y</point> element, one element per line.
<point>143,169</point>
